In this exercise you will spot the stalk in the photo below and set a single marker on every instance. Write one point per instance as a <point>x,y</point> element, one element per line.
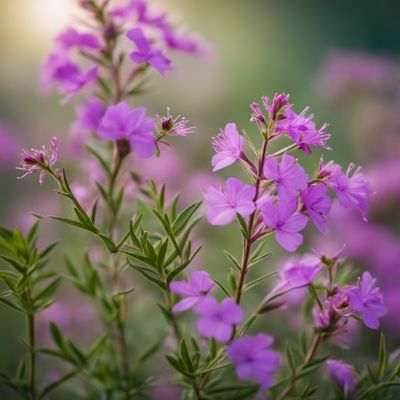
<point>248,242</point>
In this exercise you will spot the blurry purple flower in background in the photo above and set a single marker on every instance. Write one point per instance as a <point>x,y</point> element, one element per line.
<point>224,204</point>
<point>39,160</point>
<point>9,145</point>
<point>216,320</point>
<point>318,204</point>
<point>181,41</point>
<point>342,374</point>
<point>297,273</point>
<point>284,218</point>
<point>351,189</point>
<point>120,122</point>
<point>228,145</point>
<point>72,38</point>
<point>253,359</point>
<point>194,290</point>
<point>288,175</point>
<point>90,114</point>
<point>343,72</point>
<point>147,53</point>
<point>367,299</point>
<point>302,129</point>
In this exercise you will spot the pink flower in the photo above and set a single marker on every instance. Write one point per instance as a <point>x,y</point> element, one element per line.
<point>146,53</point>
<point>367,299</point>
<point>253,359</point>
<point>218,320</point>
<point>342,374</point>
<point>317,203</point>
<point>194,290</point>
<point>224,204</point>
<point>228,145</point>
<point>39,160</point>
<point>288,175</point>
<point>279,102</point>
<point>287,222</point>
<point>182,41</point>
<point>297,273</point>
<point>90,114</point>
<point>302,129</point>
<point>72,38</point>
<point>120,122</point>
<point>174,126</point>
<point>351,189</point>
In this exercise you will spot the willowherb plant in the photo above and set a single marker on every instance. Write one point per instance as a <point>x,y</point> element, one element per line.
<point>223,357</point>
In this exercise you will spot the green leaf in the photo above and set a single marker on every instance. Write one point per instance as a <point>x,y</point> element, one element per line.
<point>48,291</point>
<point>183,218</point>
<point>256,281</point>
<point>290,357</point>
<point>243,224</point>
<point>103,162</point>
<point>181,267</point>
<point>149,276</point>
<point>57,336</point>
<point>9,303</point>
<point>382,357</point>
<point>69,221</point>
<point>222,287</point>
<point>55,384</point>
<point>185,356</point>
<point>161,255</point>
<point>233,260</point>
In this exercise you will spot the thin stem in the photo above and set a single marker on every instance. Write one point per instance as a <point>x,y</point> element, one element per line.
<point>315,342</point>
<point>32,356</point>
<point>248,240</point>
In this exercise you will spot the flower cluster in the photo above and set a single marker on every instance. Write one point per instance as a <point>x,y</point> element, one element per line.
<point>282,193</point>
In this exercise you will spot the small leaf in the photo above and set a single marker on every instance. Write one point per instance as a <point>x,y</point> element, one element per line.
<point>183,218</point>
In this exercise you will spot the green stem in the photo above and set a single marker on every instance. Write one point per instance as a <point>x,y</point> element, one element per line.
<point>315,342</point>
<point>32,356</point>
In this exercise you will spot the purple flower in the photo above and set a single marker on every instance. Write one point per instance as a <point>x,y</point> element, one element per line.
<point>288,175</point>
<point>253,359</point>
<point>9,146</point>
<point>217,321</point>
<point>279,102</point>
<point>224,204</point>
<point>72,80</point>
<point>302,129</point>
<point>317,203</point>
<point>287,222</point>
<point>72,38</point>
<point>228,145</point>
<point>342,374</point>
<point>39,160</point>
<point>351,189</point>
<point>90,114</point>
<point>297,273</point>
<point>194,290</point>
<point>174,126</point>
<point>146,53</point>
<point>367,299</point>
<point>181,41</point>
<point>120,122</point>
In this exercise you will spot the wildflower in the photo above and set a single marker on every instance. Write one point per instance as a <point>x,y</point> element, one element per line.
<point>367,299</point>
<point>146,53</point>
<point>218,320</point>
<point>342,374</point>
<point>90,114</point>
<point>194,290</point>
<point>297,273</point>
<point>253,359</point>
<point>181,41</point>
<point>72,38</point>
<point>224,204</point>
<point>334,313</point>
<point>228,145</point>
<point>124,124</point>
<point>317,203</point>
<point>174,126</point>
<point>288,175</point>
<point>279,103</point>
<point>286,221</point>
<point>351,189</point>
<point>39,160</point>
<point>302,129</point>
